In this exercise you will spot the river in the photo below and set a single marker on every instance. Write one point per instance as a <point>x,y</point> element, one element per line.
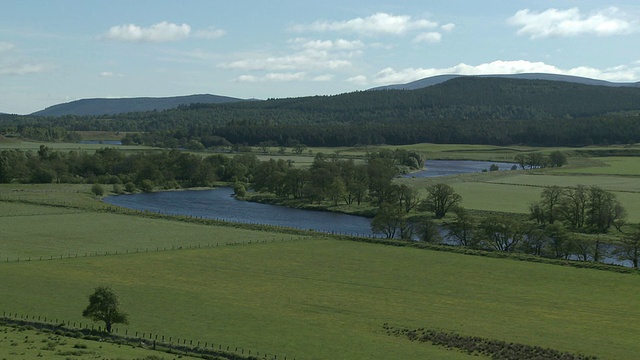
<point>221,205</point>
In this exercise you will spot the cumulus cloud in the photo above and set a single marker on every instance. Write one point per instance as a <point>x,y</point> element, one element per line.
<point>571,22</point>
<point>448,27</point>
<point>618,73</point>
<point>160,32</point>
<point>6,46</point>
<point>309,59</point>
<point>210,33</point>
<point>328,45</point>
<point>306,55</point>
<point>429,37</point>
<point>323,78</point>
<point>376,24</point>
<point>21,69</point>
<point>273,77</point>
<point>358,80</point>
<point>13,64</point>
<point>109,74</point>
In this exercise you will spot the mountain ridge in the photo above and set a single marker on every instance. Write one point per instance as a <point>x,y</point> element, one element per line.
<point>438,79</point>
<point>114,106</point>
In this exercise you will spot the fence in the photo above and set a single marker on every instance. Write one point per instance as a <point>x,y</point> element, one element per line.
<point>145,250</point>
<point>135,338</point>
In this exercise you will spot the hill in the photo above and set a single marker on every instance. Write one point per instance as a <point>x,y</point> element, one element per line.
<point>102,106</point>
<point>434,80</point>
<point>476,110</point>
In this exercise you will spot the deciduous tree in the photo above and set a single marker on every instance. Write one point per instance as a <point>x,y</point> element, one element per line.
<point>104,305</point>
<point>441,199</point>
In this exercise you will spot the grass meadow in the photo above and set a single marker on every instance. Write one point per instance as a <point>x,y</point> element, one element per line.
<point>321,298</point>
<point>316,297</point>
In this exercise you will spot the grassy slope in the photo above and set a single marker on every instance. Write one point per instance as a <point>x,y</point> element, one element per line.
<point>318,298</point>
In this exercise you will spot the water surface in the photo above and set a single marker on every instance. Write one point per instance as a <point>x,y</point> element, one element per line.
<point>221,205</point>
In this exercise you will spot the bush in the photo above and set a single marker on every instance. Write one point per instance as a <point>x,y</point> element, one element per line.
<point>239,189</point>
<point>130,187</point>
<point>97,189</point>
<point>146,186</point>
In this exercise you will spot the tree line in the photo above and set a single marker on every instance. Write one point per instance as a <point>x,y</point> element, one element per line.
<point>566,223</point>
<point>464,110</point>
<point>164,169</point>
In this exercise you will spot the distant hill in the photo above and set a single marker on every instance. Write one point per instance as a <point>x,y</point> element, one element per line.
<point>103,106</point>
<point>434,80</point>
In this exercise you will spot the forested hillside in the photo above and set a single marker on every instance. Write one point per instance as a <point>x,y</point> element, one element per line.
<point>125,105</point>
<point>463,110</point>
<point>433,80</point>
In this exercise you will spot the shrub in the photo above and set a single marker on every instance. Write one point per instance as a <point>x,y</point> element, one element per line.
<point>97,189</point>
<point>130,187</point>
<point>117,189</point>
<point>239,189</point>
<point>146,186</point>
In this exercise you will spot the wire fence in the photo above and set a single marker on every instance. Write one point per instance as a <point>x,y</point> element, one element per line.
<point>149,340</point>
<point>145,250</point>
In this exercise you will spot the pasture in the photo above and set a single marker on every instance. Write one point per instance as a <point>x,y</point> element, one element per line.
<point>315,297</point>
<point>322,298</point>
<point>41,232</point>
<point>614,165</point>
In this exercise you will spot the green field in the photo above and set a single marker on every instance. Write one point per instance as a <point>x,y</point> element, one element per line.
<point>312,296</point>
<point>610,165</point>
<point>71,234</point>
<point>320,299</point>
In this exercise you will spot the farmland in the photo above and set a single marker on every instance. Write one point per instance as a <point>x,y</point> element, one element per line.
<point>313,296</point>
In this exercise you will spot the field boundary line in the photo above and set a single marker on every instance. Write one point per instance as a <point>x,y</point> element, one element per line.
<point>142,250</point>
<point>148,340</point>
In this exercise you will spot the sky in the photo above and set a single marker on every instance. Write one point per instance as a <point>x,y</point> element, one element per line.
<point>56,51</point>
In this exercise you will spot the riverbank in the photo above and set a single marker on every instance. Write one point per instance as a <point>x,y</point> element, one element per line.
<point>302,204</point>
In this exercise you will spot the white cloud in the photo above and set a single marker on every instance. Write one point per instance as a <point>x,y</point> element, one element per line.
<point>429,37</point>
<point>571,22</point>
<point>6,46</point>
<point>306,55</point>
<point>109,74</point>
<point>13,64</point>
<point>376,24</point>
<point>323,78</point>
<point>247,78</point>
<point>160,32</point>
<point>448,27</point>
<point>358,80</point>
<point>619,73</point>
<point>273,77</point>
<point>21,69</point>
<point>306,59</point>
<point>328,45</point>
<point>210,33</point>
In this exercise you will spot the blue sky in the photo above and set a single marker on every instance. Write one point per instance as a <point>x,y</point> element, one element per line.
<point>54,51</point>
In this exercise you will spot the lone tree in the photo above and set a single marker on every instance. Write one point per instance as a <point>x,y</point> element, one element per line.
<point>103,306</point>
